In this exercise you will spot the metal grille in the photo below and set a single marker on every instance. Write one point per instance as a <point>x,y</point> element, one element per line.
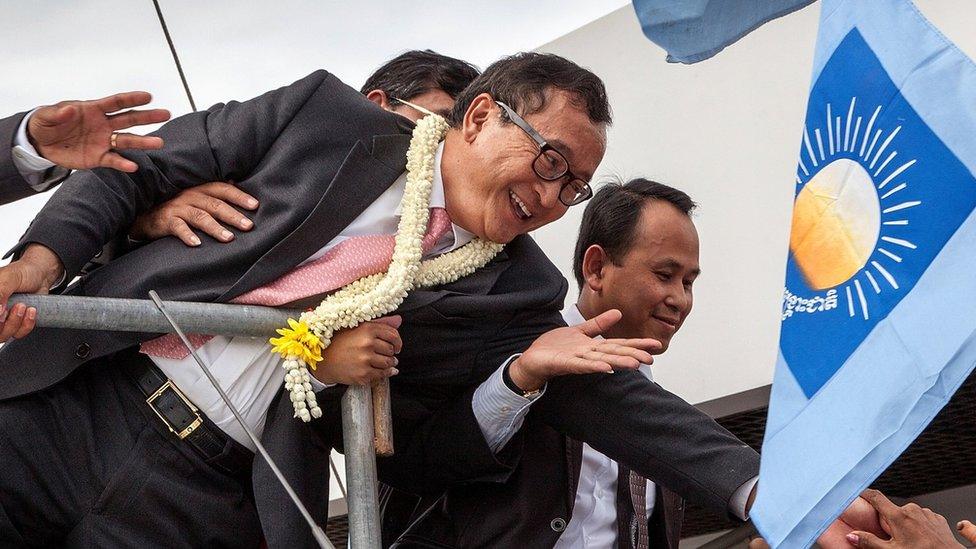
<point>942,457</point>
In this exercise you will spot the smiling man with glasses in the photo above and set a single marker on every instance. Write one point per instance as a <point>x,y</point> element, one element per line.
<point>326,165</point>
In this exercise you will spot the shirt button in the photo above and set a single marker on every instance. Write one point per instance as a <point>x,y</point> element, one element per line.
<point>558,524</point>
<point>506,409</point>
<point>83,351</point>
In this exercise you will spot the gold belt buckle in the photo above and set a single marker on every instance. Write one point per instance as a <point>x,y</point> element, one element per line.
<point>192,426</point>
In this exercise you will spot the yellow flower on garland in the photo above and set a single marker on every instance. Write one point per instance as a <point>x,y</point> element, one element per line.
<point>298,342</point>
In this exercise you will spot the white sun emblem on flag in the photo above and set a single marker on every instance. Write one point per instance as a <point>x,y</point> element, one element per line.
<point>852,207</point>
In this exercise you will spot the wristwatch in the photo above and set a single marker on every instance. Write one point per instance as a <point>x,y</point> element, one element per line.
<point>515,388</point>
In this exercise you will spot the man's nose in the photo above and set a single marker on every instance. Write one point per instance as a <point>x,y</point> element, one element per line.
<point>548,192</point>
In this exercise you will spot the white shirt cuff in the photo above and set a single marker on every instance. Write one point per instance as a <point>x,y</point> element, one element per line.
<point>741,496</point>
<point>31,165</point>
<point>318,385</point>
<point>499,411</point>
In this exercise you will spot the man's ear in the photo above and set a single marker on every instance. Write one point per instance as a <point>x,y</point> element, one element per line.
<point>475,117</point>
<point>595,261</point>
<point>380,98</point>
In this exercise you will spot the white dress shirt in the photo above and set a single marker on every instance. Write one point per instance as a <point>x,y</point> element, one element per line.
<point>31,165</point>
<point>500,414</point>
<point>245,367</point>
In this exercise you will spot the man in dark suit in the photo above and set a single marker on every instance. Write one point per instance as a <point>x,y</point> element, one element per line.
<point>316,154</point>
<point>637,251</point>
<point>88,460</point>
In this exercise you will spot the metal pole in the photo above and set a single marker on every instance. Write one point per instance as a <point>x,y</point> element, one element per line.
<point>140,315</point>
<point>357,432</point>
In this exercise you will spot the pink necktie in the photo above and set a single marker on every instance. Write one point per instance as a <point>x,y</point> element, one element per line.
<point>346,262</point>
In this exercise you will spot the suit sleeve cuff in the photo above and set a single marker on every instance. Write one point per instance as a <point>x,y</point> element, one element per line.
<point>499,411</point>
<point>40,173</point>
<point>737,505</point>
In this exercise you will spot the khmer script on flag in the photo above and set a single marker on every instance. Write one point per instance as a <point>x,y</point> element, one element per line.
<point>879,310</point>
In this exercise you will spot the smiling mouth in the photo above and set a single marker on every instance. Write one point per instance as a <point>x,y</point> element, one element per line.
<point>670,323</point>
<point>521,210</point>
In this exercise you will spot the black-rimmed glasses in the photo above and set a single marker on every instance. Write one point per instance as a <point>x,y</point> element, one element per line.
<point>550,164</point>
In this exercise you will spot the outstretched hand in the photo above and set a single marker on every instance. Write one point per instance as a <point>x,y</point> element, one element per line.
<point>577,350</point>
<point>78,134</point>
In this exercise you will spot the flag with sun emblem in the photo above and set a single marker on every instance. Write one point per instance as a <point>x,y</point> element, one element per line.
<point>879,309</point>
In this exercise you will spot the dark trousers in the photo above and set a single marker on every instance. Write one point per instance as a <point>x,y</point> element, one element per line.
<point>87,464</point>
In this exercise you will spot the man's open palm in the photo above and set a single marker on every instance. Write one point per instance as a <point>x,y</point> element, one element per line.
<point>578,350</point>
<point>78,134</point>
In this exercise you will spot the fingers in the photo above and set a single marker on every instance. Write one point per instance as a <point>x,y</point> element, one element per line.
<point>616,362</point>
<point>132,141</point>
<point>865,539</point>
<point>882,504</point>
<point>129,119</point>
<point>758,543</point>
<point>581,365</point>
<point>117,162</point>
<point>179,229</point>
<point>387,338</point>
<point>228,192</point>
<point>55,115</point>
<point>641,356</point>
<point>393,321</point>
<point>204,221</point>
<point>217,209</point>
<point>30,320</point>
<point>967,529</point>
<point>17,323</point>
<point>124,100</point>
<point>646,344</point>
<point>600,323</point>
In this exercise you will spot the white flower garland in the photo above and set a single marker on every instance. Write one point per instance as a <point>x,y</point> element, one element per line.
<point>379,294</point>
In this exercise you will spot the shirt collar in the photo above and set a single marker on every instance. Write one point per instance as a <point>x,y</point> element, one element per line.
<point>438,200</point>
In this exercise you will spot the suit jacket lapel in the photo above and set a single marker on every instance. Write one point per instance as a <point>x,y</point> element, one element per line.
<point>363,176</point>
<point>479,282</point>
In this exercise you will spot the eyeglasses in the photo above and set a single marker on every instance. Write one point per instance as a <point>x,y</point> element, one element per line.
<point>550,164</point>
<point>422,110</point>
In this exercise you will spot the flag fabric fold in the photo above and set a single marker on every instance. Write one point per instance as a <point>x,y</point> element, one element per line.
<point>694,30</point>
<point>879,310</point>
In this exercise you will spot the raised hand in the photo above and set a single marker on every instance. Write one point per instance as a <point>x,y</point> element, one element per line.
<point>577,350</point>
<point>362,355</point>
<point>203,207</point>
<point>78,134</point>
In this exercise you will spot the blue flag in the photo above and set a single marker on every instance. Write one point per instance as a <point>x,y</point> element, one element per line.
<point>879,309</point>
<point>694,30</point>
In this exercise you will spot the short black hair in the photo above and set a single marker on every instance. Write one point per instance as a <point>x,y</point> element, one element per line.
<point>418,71</point>
<point>611,217</point>
<point>522,81</point>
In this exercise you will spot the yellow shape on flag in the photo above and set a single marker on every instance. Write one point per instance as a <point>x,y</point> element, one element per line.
<point>836,222</point>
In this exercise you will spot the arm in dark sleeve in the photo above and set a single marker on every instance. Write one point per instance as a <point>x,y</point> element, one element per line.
<point>636,422</point>
<point>438,447</point>
<point>225,142</point>
<point>12,184</point>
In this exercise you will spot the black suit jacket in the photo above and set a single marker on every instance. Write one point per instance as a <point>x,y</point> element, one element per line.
<point>12,185</point>
<point>316,154</point>
<point>533,507</point>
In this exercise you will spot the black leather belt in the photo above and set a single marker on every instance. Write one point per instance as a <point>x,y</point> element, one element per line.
<point>185,421</point>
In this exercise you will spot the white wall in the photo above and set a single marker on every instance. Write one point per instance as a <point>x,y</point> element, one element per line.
<point>727,132</point>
